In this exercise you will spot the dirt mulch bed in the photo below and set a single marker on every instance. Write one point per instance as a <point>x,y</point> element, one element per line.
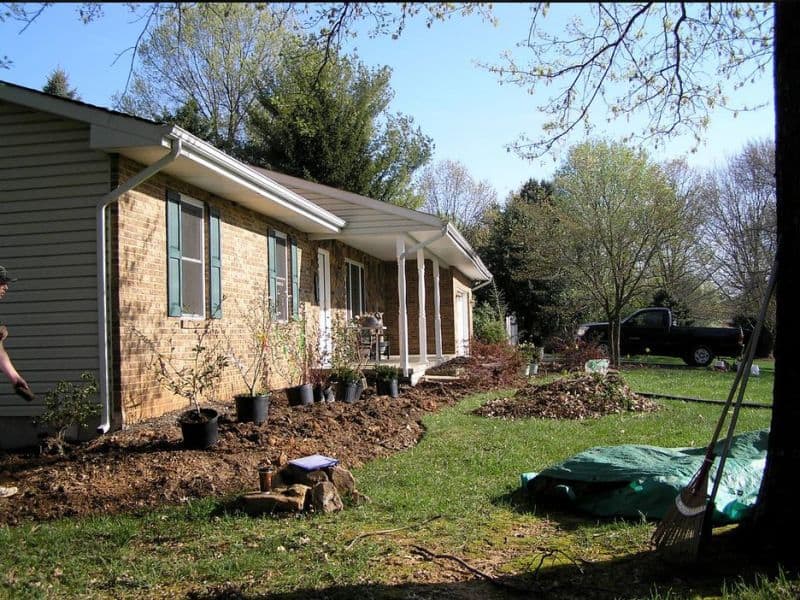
<point>146,466</point>
<point>575,397</point>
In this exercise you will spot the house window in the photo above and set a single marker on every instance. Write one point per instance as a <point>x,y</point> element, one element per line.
<point>283,256</point>
<point>355,289</point>
<point>186,256</point>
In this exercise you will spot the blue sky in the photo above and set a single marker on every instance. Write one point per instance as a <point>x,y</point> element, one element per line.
<point>469,115</point>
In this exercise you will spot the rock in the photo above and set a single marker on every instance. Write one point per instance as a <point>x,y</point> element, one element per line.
<point>294,498</point>
<point>309,478</point>
<point>343,480</point>
<point>325,498</point>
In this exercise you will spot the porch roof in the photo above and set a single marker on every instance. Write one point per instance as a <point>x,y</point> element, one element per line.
<point>373,226</point>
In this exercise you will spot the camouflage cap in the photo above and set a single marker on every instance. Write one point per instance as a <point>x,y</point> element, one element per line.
<point>4,275</point>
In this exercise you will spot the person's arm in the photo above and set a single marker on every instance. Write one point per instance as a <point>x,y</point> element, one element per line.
<point>7,367</point>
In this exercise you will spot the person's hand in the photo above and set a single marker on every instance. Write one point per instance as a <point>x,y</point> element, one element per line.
<point>3,333</point>
<point>23,389</point>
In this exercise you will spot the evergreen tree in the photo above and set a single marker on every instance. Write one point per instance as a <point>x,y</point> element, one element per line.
<point>58,85</point>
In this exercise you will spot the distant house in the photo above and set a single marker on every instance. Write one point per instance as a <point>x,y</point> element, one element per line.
<point>115,223</point>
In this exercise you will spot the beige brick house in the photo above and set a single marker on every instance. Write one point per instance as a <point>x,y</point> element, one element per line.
<point>117,226</point>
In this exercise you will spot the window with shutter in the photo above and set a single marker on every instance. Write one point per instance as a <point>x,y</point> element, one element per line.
<point>185,256</point>
<point>279,273</point>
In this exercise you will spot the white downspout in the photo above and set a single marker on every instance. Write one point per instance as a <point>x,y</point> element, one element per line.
<point>102,299</point>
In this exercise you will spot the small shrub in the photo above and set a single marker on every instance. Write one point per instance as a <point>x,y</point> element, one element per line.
<point>493,364</point>
<point>386,372</point>
<point>68,404</point>
<point>574,354</point>
<point>488,325</point>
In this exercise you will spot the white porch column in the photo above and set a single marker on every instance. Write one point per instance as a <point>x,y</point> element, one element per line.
<point>423,321</point>
<point>437,311</point>
<point>402,321</point>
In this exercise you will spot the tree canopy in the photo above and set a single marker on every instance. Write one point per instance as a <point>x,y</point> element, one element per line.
<point>331,125</point>
<point>449,191</point>
<point>202,62</point>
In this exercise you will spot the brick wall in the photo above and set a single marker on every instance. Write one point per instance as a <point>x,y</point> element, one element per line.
<point>446,299</point>
<point>138,270</point>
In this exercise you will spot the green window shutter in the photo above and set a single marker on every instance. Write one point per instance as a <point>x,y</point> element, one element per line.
<point>216,263</point>
<point>295,277</point>
<point>273,271</point>
<point>174,303</point>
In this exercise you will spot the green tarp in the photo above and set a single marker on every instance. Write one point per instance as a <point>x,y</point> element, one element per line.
<point>634,481</point>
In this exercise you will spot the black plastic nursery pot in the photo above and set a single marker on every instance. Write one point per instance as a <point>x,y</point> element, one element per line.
<point>300,394</point>
<point>349,392</point>
<point>199,431</point>
<point>323,393</point>
<point>252,408</point>
<point>387,387</point>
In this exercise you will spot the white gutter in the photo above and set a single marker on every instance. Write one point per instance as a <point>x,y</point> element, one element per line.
<point>205,154</point>
<point>102,299</point>
<point>480,285</point>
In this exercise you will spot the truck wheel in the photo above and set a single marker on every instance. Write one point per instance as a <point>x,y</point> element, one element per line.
<point>702,356</point>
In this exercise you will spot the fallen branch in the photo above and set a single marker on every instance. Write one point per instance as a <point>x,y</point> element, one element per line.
<point>490,578</point>
<point>361,536</point>
<point>552,552</point>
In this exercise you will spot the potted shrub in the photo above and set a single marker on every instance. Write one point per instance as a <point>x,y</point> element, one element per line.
<point>347,360</point>
<point>531,354</point>
<point>386,378</point>
<point>295,355</point>
<point>68,405</point>
<point>193,376</point>
<point>348,384</point>
<point>251,359</point>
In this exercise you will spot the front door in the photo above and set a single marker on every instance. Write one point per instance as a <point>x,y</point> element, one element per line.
<point>324,297</point>
<point>462,324</point>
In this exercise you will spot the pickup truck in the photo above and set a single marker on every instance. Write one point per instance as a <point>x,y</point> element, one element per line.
<point>653,331</point>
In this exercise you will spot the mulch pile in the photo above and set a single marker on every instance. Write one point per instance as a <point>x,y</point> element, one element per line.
<point>146,466</point>
<point>575,397</point>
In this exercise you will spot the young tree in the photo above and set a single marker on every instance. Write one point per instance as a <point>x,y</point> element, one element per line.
<point>331,125</point>
<point>681,263</point>
<point>58,85</point>
<point>207,57</point>
<point>741,227</point>
<point>612,210</point>
<point>451,192</point>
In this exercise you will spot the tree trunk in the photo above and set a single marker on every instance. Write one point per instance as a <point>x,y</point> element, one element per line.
<point>777,517</point>
<point>614,340</point>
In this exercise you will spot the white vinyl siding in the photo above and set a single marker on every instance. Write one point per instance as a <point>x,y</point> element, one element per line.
<point>50,181</point>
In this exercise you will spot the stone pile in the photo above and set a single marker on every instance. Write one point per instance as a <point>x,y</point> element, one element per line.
<point>296,490</point>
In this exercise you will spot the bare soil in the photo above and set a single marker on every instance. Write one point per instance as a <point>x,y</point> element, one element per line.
<point>146,466</point>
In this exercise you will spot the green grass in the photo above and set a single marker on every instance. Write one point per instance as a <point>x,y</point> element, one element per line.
<point>465,471</point>
<point>699,383</point>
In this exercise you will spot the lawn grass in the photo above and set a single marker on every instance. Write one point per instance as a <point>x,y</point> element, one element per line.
<point>454,493</point>
<point>699,383</point>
